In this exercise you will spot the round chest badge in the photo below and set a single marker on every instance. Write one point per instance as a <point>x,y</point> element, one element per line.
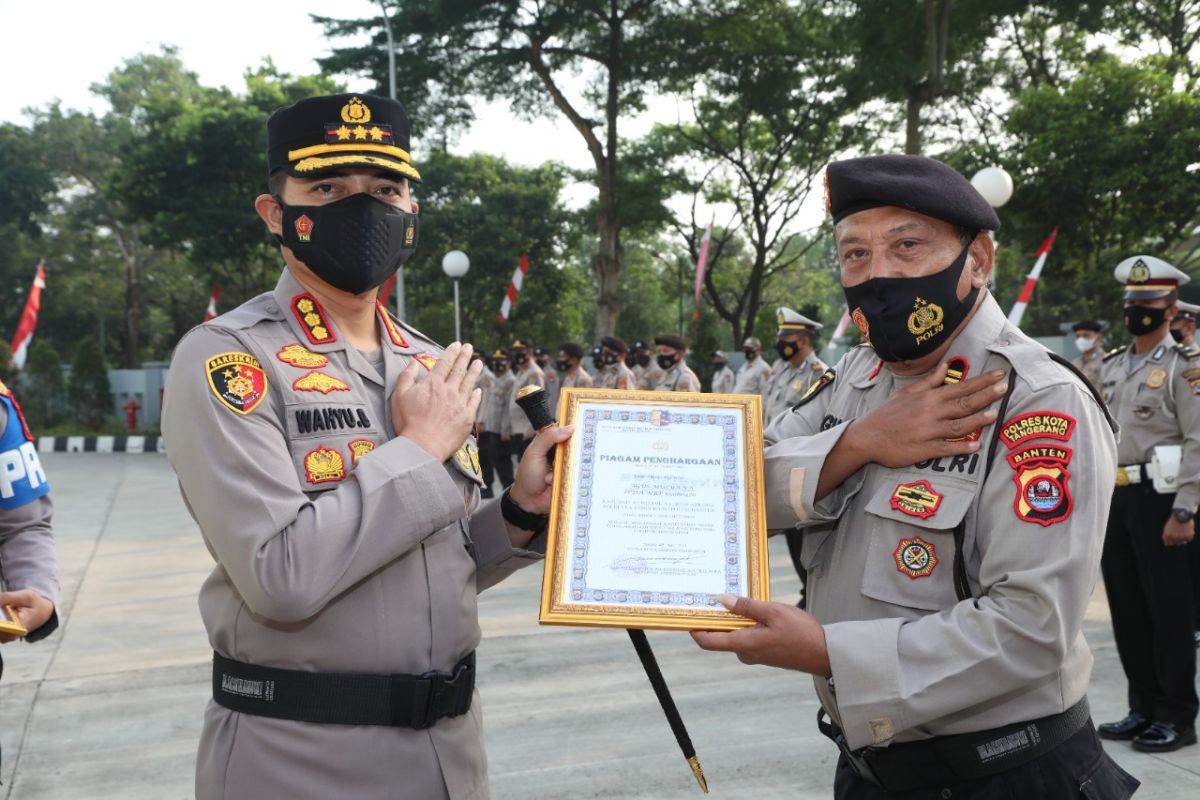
<point>915,557</point>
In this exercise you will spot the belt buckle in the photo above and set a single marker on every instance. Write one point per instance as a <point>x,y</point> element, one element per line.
<point>1122,477</point>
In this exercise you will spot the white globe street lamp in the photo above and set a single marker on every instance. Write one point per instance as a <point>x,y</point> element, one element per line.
<point>455,264</point>
<point>994,184</point>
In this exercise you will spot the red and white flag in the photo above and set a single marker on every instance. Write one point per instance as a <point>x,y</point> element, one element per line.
<point>514,286</point>
<point>24,335</point>
<point>843,323</point>
<point>1018,309</point>
<point>211,311</point>
<point>701,264</point>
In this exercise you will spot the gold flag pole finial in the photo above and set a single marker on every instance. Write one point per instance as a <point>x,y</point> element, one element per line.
<point>698,771</point>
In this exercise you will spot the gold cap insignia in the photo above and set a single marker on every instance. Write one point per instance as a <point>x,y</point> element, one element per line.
<point>356,111</point>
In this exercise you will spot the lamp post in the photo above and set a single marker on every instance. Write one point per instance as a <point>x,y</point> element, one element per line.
<point>994,184</point>
<point>455,264</point>
<point>391,46</point>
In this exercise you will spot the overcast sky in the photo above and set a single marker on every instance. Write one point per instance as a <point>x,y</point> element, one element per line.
<point>57,50</point>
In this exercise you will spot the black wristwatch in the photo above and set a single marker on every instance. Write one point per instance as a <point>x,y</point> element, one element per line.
<point>525,520</point>
<point>1182,514</point>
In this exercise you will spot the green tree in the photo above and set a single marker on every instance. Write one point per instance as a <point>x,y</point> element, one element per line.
<point>88,390</point>
<point>534,54</point>
<point>42,386</point>
<point>8,372</point>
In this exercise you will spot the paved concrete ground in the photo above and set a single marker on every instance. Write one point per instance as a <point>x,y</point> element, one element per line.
<point>110,706</point>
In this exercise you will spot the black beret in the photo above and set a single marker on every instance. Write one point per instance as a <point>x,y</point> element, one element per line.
<point>571,349</point>
<point>614,344</point>
<point>325,134</point>
<point>640,345</point>
<point>914,182</point>
<point>1087,325</point>
<point>678,342</point>
<point>540,351</point>
<point>596,351</point>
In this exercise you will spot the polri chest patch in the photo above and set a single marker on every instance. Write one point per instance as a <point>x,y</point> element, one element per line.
<point>237,380</point>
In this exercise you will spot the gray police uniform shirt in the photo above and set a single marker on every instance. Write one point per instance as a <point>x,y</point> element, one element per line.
<point>615,376</point>
<point>1155,402</point>
<point>340,546</point>
<point>679,378</point>
<point>27,556</point>
<point>1090,364</point>
<point>498,419</point>
<point>518,423</point>
<point>752,378</point>
<point>648,377</point>
<point>486,379</point>
<point>723,380</point>
<point>553,384</point>
<point>909,659</point>
<point>579,379</point>
<point>790,381</point>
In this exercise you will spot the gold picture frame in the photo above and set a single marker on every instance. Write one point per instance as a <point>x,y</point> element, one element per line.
<point>734,423</point>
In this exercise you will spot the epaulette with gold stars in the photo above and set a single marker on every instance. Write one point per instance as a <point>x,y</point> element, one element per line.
<point>312,319</point>
<point>1111,354</point>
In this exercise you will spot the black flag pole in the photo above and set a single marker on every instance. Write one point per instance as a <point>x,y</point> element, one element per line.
<point>533,401</point>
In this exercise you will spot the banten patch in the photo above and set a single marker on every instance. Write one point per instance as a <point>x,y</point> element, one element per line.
<point>300,356</point>
<point>319,382</point>
<point>915,557</point>
<point>393,331</point>
<point>1040,452</point>
<point>1037,425</point>
<point>917,499</point>
<point>312,319</point>
<point>324,465</point>
<point>1042,493</point>
<point>359,448</point>
<point>237,380</point>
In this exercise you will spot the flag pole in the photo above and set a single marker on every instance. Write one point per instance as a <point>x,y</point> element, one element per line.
<point>1031,280</point>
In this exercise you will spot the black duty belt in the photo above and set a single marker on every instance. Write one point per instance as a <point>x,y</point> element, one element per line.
<point>953,759</point>
<point>344,698</point>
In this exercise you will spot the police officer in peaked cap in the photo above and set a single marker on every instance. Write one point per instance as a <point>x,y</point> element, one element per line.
<point>1152,388</point>
<point>324,449</point>
<point>951,479</point>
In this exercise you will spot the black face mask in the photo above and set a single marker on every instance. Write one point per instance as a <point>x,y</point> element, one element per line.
<point>750,354</point>
<point>1177,335</point>
<point>630,360</point>
<point>354,244</point>
<point>501,367</point>
<point>643,359</point>
<point>611,358</point>
<point>666,361</point>
<point>785,349</point>
<point>1141,320</point>
<point>718,364</point>
<point>541,362</point>
<point>562,366</point>
<point>597,362</point>
<point>907,318</point>
<point>520,358</point>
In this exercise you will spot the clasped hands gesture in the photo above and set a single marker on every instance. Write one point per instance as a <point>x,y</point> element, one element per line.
<point>927,419</point>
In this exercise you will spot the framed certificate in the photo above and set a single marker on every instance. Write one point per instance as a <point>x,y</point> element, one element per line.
<point>657,511</point>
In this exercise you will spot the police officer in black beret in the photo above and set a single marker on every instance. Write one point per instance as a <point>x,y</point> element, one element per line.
<point>952,479</point>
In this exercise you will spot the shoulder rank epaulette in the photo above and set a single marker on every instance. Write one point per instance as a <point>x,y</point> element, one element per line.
<point>817,387</point>
<point>1116,351</point>
<point>1187,352</point>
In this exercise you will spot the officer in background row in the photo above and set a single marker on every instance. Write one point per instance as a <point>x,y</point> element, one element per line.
<point>952,479</point>
<point>798,366</point>
<point>613,372</point>
<point>1183,327</point>
<point>1088,337</point>
<point>677,376</point>
<point>497,432</point>
<point>28,563</point>
<point>1151,387</point>
<point>723,379</point>
<point>755,374</point>
<point>646,372</point>
<point>487,380</point>
<point>597,356</point>
<point>525,373</point>
<point>324,449</point>
<point>571,374</point>
<point>541,357</point>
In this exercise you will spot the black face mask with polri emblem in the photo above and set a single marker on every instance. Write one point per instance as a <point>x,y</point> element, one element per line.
<point>354,244</point>
<point>907,318</point>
